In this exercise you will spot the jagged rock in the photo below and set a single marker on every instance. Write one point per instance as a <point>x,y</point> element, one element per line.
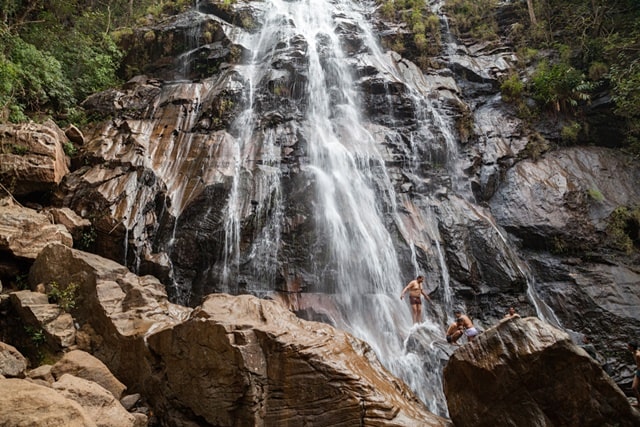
<point>116,308</point>
<point>129,401</point>
<point>31,157</point>
<point>84,365</point>
<point>12,363</point>
<point>567,195</point>
<point>34,309</point>
<point>24,232</point>
<point>73,222</point>
<point>74,134</point>
<point>525,372</point>
<point>42,372</point>
<point>99,403</point>
<point>243,360</point>
<point>22,404</point>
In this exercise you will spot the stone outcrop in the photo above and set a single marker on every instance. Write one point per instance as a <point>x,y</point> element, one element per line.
<point>116,308</point>
<point>234,358</point>
<point>35,310</point>
<point>99,403</point>
<point>246,361</point>
<point>83,365</point>
<point>525,372</point>
<point>24,232</point>
<point>22,404</point>
<point>12,363</point>
<point>32,158</point>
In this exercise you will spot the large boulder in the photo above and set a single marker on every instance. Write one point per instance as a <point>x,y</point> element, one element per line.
<point>24,232</point>
<point>83,365</point>
<point>32,158</point>
<point>247,361</point>
<point>12,363</point>
<point>23,403</point>
<point>116,307</point>
<point>525,372</point>
<point>99,403</point>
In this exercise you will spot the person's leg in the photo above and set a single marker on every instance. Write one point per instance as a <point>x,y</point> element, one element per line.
<point>634,387</point>
<point>414,312</point>
<point>418,313</point>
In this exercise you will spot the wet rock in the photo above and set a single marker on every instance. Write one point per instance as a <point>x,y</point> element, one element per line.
<point>242,359</point>
<point>525,372</point>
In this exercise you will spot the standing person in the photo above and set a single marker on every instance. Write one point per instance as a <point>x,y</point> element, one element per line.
<point>415,291</point>
<point>633,347</point>
<point>455,331</point>
<point>469,330</point>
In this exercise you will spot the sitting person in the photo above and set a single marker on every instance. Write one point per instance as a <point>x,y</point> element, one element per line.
<point>469,330</point>
<point>455,331</point>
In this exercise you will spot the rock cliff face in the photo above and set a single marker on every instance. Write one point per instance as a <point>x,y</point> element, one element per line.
<point>232,361</point>
<point>209,173</point>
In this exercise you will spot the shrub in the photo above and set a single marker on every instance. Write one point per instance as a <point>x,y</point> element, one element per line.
<point>512,88</point>
<point>65,297</point>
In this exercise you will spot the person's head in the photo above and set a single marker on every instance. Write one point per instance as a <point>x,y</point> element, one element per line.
<point>459,320</point>
<point>633,346</point>
<point>512,310</point>
<point>457,313</point>
<point>420,279</point>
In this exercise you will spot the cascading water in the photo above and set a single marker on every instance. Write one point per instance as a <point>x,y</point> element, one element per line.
<point>359,264</point>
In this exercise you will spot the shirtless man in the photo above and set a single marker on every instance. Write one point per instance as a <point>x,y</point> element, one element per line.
<point>511,313</point>
<point>415,291</point>
<point>455,331</point>
<point>633,347</point>
<point>469,330</point>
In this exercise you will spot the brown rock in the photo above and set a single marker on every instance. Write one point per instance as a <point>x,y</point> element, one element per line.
<point>12,363</point>
<point>42,372</point>
<point>24,232</point>
<point>84,365</point>
<point>31,157</point>
<point>74,134</point>
<point>524,372</point>
<point>116,308</point>
<point>23,403</point>
<point>73,222</point>
<point>246,361</point>
<point>34,309</point>
<point>98,402</point>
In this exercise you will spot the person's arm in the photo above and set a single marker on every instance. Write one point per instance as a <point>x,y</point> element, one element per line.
<point>425,294</point>
<point>404,291</point>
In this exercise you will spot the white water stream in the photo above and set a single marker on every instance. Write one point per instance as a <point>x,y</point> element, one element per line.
<point>352,190</point>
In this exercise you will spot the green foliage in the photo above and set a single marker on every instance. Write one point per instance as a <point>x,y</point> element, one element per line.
<point>19,149</point>
<point>626,94</point>
<point>512,88</point>
<point>69,149</point>
<point>30,79</point>
<point>559,86</point>
<point>64,296</point>
<point>36,335</point>
<point>474,17</point>
<point>570,132</point>
<point>622,228</point>
<point>87,239</point>
<point>595,194</point>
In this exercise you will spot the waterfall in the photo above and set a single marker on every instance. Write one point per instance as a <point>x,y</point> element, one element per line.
<point>357,263</point>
